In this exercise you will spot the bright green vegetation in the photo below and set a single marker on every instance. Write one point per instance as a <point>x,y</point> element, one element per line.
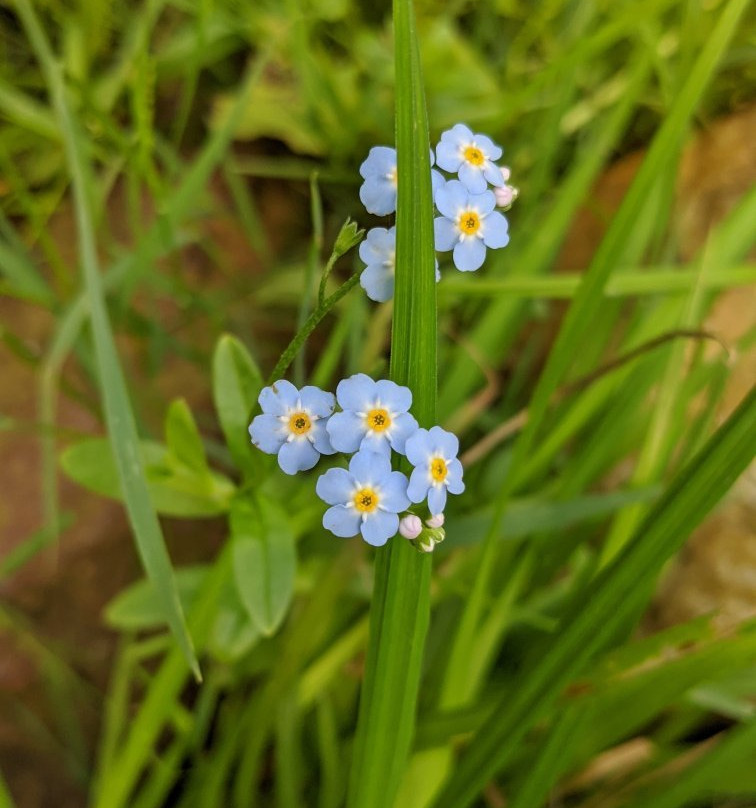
<point>333,674</point>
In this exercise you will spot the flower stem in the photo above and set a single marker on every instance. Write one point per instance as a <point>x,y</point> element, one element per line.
<point>310,324</point>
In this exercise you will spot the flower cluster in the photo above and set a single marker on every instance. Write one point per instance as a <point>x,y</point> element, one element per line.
<point>368,498</point>
<point>467,226</point>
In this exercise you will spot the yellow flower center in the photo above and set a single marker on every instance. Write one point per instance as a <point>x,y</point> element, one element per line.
<point>392,177</point>
<point>469,222</point>
<point>300,423</point>
<point>438,469</point>
<point>378,420</point>
<point>365,500</point>
<point>475,156</point>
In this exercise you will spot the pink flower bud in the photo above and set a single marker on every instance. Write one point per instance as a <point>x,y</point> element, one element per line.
<point>435,521</point>
<point>505,195</point>
<point>410,526</point>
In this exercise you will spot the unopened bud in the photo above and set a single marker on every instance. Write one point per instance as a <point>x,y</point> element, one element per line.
<point>410,526</point>
<point>505,196</point>
<point>435,521</point>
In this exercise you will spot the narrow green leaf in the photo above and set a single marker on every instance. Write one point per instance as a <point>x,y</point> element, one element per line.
<point>401,602</point>
<point>237,382</point>
<point>715,773</point>
<point>22,278</point>
<point>610,600</point>
<point>264,560</point>
<point>118,415</point>
<point>183,437</point>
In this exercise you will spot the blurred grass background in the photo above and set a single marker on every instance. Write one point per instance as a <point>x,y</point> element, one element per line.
<point>219,134</point>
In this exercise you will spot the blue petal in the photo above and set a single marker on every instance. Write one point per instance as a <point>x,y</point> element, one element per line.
<point>447,156</point>
<point>317,402</point>
<point>335,487</point>
<point>473,178</point>
<point>394,492</point>
<point>447,151</point>
<point>279,398</point>
<point>369,468</point>
<point>377,442</point>
<point>380,160</point>
<point>297,455</point>
<point>418,484</point>
<point>356,393</point>
<point>378,282</point>
<point>495,230</point>
<point>459,134</point>
<point>342,521</point>
<point>445,232</point>
<point>346,431</point>
<point>437,498</point>
<point>445,442</point>
<point>493,174</point>
<point>378,195</point>
<point>418,448</point>
<point>378,246</point>
<point>404,426</point>
<point>393,396</point>
<point>437,181</point>
<point>379,527</point>
<point>451,199</point>
<point>484,203</point>
<point>469,254</point>
<point>321,439</point>
<point>488,147</point>
<point>267,433</point>
<point>454,477</point>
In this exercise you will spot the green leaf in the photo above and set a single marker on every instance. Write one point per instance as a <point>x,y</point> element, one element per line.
<point>237,382</point>
<point>526,517</point>
<point>183,438</point>
<point>399,613</point>
<point>174,491</point>
<point>138,608</point>
<point>264,560</point>
<point>119,417</point>
<point>609,602</point>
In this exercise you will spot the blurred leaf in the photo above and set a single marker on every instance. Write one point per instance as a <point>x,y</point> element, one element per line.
<point>526,517</point>
<point>277,109</point>
<point>183,438</point>
<point>236,385</point>
<point>138,608</point>
<point>174,491</point>
<point>610,600</point>
<point>264,560</point>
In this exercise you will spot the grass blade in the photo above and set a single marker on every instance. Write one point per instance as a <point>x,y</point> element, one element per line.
<point>609,601</point>
<point>118,415</point>
<point>400,608</point>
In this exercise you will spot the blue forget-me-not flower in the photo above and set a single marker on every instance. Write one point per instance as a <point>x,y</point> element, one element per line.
<point>378,251</point>
<point>378,191</point>
<point>365,499</point>
<point>433,453</point>
<point>375,416</point>
<point>471,156</point>
<point>468,225</point>
<point>293,425</point>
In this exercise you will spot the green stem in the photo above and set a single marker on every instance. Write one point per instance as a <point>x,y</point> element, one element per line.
<point>310,324</point>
